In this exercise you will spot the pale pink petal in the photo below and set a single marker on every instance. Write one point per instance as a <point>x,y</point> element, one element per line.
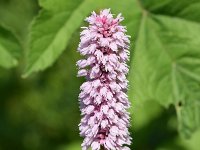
<point>95,145</point>
<point>82,72</point>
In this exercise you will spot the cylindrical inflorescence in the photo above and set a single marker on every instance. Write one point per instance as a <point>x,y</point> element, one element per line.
<point>103,99</point>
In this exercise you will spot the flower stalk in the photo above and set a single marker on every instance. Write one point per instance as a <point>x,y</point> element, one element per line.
<point>103,99</point>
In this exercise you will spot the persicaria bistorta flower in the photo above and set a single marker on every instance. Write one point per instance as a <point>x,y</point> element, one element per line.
<point>103,99</point>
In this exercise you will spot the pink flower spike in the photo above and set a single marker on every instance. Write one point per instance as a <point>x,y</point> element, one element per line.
<point>103,100</point>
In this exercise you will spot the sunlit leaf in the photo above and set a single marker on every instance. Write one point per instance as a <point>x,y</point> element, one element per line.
<point>54,26</point>
<point>165,65</point>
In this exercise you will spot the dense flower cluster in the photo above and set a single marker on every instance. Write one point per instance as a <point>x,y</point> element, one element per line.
<point>103,101</point>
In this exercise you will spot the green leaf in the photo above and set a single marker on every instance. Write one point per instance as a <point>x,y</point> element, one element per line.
<point>54,26</point>
<point>16,15</point>
<point>165,65</point>
<point>192,143</point>
<point>182,8</point>
<point>10,49</point>
<point>60,5</point>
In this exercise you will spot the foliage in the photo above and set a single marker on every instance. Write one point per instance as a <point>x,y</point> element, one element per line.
<point>41,110</point>
<point>166,60</point>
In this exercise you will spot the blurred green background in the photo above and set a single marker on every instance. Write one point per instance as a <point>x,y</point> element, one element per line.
<point>41,112</point>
